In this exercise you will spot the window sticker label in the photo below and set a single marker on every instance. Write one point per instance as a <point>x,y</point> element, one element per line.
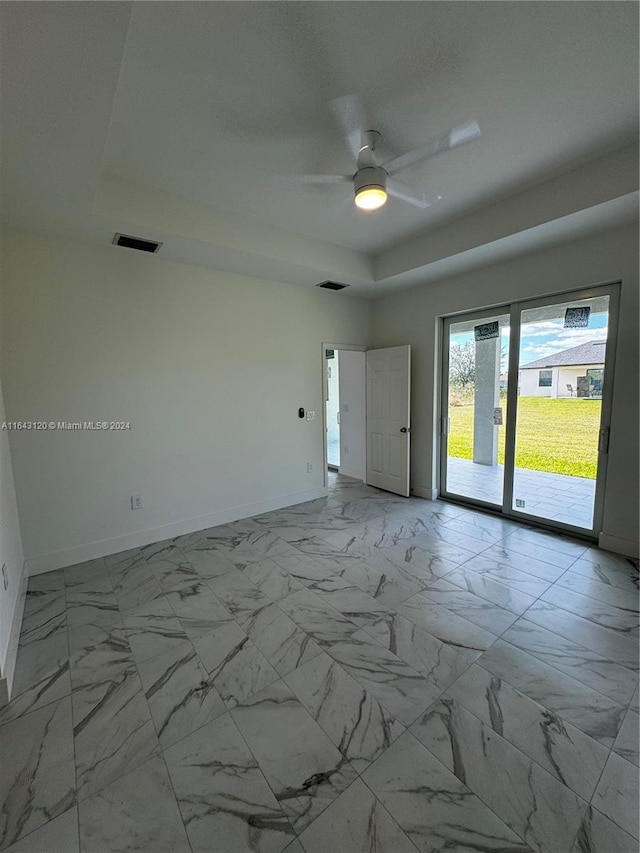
<point>577,318</point>
<point>486,331</point>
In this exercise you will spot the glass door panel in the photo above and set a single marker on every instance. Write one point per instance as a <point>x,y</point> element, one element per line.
<point>333,408</point>
<point>477,353</point>
<point>560,382</point>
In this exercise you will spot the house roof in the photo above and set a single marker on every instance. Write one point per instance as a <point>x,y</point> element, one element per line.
<point>590,353</point>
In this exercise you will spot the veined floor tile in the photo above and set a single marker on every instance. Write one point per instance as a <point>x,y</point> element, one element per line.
<point>324,629</point>
<point>424,565</point>
<point>538,808</point>
<point>307,772</point>
<point>317,618</point>
<point>136,812</point>
<point>96,653</point>
<point>112,729</point>
<point>490,588</point>
<point>432,806</point>
<point>534,552</point>
<point>447,626</point>
<point>600,835</point>
<point>172,575</point>
<point>509,575</point>
<point>619,647</point>
<point>328,556</point>
<point>37,781</point>
<point>619,575</point>
<point>44,616</point>
<point>440,663</point>
<point>207,561</point>
<point>134,585</point>
<point>354,823</point>
<point>197,608</point>
<point>44,583</point>
<point>621,617</point>
<point>626,743</point>
<point>553,541</point>
<point>281,641</point>
<point>271,579</point>
<point>574,758</point>
<point>153,628</point>
<point>617,794</point>
<point>357,606</point>
<point>81,573</point>
<point>180,695</point>
<point>92,602</point>
<point>239,595</point>
<point>588,584</point>
<point>396,685</point>
<point>590,711</point>
<point>534,565</point>
<point>478,610</point>
<point>236,666</point>
<point>354,721</point>
<point>41,676</point>
<point>592,669</point>
<point>117,564</point>
<point>447,546</point>
<point>301,567</point>
<point>59,835</point>
<point>223,795</point>
<point>382,579</point>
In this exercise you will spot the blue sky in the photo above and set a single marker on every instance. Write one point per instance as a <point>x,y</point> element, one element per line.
<point>546,337</point>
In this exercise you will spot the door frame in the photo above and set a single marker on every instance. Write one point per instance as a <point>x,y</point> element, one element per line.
<point>611,289</point>
<point>325,347</point>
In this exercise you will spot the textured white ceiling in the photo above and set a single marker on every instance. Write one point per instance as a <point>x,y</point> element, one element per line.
<point>216,100</point>
<point>175,120</point>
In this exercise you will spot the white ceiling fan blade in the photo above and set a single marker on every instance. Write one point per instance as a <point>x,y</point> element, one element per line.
<point>349,113</point>
<point>460,135</point>
<point>315,179</point>
<point>397,189</point>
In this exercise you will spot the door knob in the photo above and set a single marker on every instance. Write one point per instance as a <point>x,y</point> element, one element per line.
<point>404,429</point>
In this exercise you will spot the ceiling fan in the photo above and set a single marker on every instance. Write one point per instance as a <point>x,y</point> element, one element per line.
<point>373,181</point>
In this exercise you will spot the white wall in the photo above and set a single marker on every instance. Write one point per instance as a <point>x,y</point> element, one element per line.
<point>352,414</point>
<point>210,369</point>
<point>11,599</point>
<point>411,317</point>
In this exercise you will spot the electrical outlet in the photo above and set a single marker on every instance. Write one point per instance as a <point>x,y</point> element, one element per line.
<point>5,579</point>
<point>309,468</point>
<point>136,502</point>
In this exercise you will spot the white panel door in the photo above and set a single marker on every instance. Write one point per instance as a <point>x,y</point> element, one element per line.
<point>388,418</point>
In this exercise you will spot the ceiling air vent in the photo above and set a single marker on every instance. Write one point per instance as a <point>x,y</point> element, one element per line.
<point>136,243</point>
<point>332,285</point>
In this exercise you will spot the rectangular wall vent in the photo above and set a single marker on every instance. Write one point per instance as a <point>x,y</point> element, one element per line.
<point>332,285</point>
<point>136,243</point>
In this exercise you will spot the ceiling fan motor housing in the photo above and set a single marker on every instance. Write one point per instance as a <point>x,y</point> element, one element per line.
<point>369,176</point>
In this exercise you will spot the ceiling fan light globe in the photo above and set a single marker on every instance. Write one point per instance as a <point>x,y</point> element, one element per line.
<point>370,198</point>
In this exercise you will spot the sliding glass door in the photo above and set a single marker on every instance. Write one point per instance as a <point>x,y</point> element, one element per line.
<point>525,407</point>
<point>476,355</point>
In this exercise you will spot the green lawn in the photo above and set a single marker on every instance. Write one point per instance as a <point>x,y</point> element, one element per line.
<point>560,436</point>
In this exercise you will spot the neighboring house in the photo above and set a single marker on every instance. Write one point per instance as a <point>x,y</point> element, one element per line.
<point>574,372</point>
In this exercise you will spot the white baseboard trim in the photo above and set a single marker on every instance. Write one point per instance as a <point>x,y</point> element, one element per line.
<point>94,550</point>
<point>626,547</point>
<point>9,666</point>
<point>346,472</point>
<point>427,494</point>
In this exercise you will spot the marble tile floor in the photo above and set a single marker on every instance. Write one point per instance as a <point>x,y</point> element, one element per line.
<point>359,673</point>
